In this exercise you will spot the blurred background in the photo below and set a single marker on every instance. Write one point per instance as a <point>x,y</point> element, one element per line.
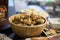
<point>50,6</point>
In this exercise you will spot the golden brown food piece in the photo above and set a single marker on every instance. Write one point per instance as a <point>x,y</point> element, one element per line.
<point>25,21</point>
<point>40,17</point>
<point>24,15</point>
<point>34,17</point>
<point>16,20</point>
<point>21,20</point>
<point>28,20</point>
<point>50,32</point>
<point>34,22</point>
<point>53,31</point>
<point>20,24</point>
<point>40,21</point>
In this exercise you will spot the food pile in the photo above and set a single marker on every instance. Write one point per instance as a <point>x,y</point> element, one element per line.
<point>28,20</point>
<point>50,32</point>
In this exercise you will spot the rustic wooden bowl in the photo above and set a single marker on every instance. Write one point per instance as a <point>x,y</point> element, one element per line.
<point>26,31</point>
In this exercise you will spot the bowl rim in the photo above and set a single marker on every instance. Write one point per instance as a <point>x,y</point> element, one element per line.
<point>25,26</point>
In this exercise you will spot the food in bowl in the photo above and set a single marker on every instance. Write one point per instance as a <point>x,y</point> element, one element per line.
<point>27,25</point>
<point>28,20</point>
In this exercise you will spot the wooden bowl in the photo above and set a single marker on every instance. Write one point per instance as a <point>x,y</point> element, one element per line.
<point>26,31</point>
